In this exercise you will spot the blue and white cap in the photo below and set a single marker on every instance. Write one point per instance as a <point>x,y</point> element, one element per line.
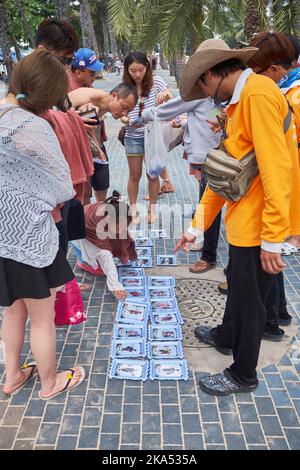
<point>85,58</point>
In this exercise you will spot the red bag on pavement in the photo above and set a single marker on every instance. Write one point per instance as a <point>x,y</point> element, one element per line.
<point>69,309</point>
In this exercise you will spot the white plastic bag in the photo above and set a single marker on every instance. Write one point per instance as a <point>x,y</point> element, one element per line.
<point>156,153</point>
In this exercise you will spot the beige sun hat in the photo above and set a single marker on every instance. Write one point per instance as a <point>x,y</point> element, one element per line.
<point>210,53</point>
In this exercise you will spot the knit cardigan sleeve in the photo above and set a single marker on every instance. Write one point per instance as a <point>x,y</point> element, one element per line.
<point>35,140</point>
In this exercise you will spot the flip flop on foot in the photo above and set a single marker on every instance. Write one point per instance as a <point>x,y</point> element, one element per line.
<point>72,382</point>
<point>151,218</point>
<point>135,220</point>
<point>202,266</point>
<point>83,287</point>
<point>166,187</point>
<point>30,375</point>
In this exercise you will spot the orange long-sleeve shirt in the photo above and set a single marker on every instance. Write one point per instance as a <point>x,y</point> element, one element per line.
<point>270,211</point>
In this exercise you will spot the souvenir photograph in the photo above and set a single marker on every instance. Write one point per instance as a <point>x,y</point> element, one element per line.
<point>144,252</point>
<point>158,293</point>
<point>163,305</point>
<point>145,262</point>
<point>129,369</point>
<point>160,332</point>
<point>143,242</point>
<point>167,349</point>
<point>168,369</point>
<point>128,348</point>
<point>131,311</point>
<point>166,260</point>
<point>161,281</point>
<point>132,281</point>
<point>135,293</point>
<point>158,233</point>
<point>123,331</point>
<point>160,318</point>
<point>131,272</point>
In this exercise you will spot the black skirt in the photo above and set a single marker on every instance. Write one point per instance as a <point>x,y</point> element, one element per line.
<point>20,281</point>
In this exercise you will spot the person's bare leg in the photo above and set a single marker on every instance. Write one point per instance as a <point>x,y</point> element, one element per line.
<point>135,164</point>
<point>43,345</point>
<point>153,194</point>
<point>100,195</point>
<point>12,332</point>
<point>167,186</point>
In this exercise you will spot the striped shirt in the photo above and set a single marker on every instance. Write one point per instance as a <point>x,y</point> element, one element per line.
<point>149,101</point>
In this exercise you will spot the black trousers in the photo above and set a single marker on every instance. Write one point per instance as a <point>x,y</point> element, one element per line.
<point>276,302</point>
<point>245,313</point>
<point>211,236</point>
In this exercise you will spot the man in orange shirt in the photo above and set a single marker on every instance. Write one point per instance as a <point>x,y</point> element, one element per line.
<point>258,223</point>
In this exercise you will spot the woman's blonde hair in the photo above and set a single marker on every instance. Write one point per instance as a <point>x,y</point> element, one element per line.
<point>43,81</point>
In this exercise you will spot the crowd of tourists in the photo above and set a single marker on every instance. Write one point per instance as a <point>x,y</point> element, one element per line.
<point>54,180</point>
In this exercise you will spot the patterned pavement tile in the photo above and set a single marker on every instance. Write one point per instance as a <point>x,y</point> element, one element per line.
<point>114,414</point>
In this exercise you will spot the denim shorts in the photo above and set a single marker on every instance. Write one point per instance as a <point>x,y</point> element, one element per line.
<point>134,146</point>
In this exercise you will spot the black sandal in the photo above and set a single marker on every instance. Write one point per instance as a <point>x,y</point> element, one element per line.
<point>66,387</point>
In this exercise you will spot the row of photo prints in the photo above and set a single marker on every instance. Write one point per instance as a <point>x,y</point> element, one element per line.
<point>147,339</point>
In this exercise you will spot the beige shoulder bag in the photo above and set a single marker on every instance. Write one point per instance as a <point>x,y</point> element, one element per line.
<point>231,178</point>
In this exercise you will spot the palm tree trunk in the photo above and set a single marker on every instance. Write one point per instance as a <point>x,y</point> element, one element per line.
<point>254,21</point>
<point>179,63</point>
<point>105,32</point>
<point>16,46</point>
<point>4,38</point>
<point>62,9</point>
<point>87,28</point>
<point>112,39</point>
<point>25,22</point>
<point>172,68</point>
<point>162,60</point>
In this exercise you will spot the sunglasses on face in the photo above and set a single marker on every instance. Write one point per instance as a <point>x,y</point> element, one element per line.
<point>141,108</point>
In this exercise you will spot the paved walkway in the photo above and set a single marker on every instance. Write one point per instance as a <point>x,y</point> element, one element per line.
<point>111,414</point>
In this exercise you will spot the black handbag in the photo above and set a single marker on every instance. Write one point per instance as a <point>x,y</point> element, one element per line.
<point>75,220</point>
<point>121,136</point>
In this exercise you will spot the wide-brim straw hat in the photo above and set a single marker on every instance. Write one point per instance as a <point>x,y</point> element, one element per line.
<point>210,53</point>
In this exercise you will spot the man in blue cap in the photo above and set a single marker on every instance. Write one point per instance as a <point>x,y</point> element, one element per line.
<point>84,69</point>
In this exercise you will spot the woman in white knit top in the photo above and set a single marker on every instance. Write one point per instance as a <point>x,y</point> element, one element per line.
<point>34,179</point>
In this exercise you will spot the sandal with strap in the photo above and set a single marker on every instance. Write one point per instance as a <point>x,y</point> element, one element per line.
<point>84,287</point>
<point>151,218</point>
<point>66,387</point>
<point>202,266</point>
<point>166,187</point>
<point>32,376</point>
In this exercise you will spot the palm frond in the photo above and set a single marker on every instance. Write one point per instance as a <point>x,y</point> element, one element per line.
<point>121,16</point>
